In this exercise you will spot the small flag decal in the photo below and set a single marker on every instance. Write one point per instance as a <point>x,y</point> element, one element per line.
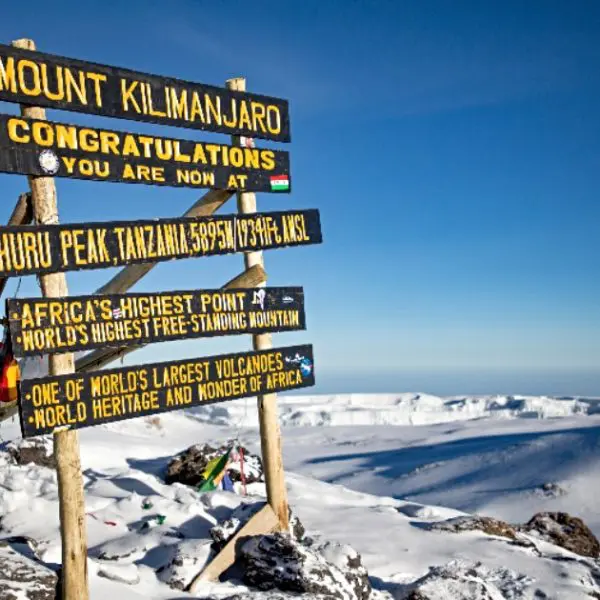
<point>280,183</point>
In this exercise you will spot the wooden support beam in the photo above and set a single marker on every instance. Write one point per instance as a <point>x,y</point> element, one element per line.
<point>263,522</point>
<point>96,359</point>
<point>270,434</point>
<point>66,443</point>
<point>127,277</point>
<point>21,215</point>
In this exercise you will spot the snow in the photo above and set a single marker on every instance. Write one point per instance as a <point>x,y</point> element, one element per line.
<point>369,471</point>
<point>398,409</point>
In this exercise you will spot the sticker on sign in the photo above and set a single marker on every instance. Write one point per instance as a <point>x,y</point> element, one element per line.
<point>280,183</point>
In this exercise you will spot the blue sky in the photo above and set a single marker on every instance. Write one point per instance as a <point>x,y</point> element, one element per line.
<point>453,150</point>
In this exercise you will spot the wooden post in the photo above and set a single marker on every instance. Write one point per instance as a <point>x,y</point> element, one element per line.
<point>66,443</point>
<point>270,434</point>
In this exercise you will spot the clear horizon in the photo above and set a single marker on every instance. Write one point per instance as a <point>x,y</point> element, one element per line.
<point>461,382</point>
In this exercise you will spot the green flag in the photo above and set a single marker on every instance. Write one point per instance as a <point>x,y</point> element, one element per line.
<point>214,472</point>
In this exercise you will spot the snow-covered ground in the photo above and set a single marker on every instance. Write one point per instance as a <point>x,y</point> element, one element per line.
<point>372,471</point>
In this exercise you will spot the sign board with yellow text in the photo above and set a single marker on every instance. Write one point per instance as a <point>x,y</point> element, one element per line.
<point>51,81</point>
<point>73,247</point>
<point>84,400</point>
<point>47,148</point>
<point>54,325</point>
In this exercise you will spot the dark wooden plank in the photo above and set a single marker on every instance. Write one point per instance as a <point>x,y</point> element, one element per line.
<point>73,247</point>
<point>22,215</point>
<point>53,81</point>
<point>41,325</point>
<point>84,400</point>
<point>47,148</point>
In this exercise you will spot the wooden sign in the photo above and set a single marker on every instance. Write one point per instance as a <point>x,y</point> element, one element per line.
<point>53,81</point>
<point>46,148</point>
<point>55,325</point>
<point>84,400</point>
<point>73,247</point>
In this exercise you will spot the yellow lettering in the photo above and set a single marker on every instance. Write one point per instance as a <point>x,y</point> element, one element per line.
<point>13,127</point>
<point>127,96</point>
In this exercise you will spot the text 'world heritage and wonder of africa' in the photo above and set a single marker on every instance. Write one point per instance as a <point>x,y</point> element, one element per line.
<point>84,400</point>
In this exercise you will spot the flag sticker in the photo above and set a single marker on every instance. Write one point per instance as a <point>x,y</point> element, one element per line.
<point>280,183</point>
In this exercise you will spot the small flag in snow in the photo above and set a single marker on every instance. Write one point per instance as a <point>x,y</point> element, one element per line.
<point>117,313</point>
<point>279,183</point>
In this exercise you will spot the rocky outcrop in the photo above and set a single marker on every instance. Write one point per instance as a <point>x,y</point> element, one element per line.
<point>24,579</point>
<point>563,530</point>
<point>38,450</point>
<point>470,581</point>
<point>485,524</point>
<point>279,562</point>
<point>188,466</point>
<point>557,528</point>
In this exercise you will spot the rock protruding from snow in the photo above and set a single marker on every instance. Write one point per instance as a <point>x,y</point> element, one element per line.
<point>23,579</point>
<point>253,595</point>
<point>279,562</point>
<point>38,450</point>
<point>188,466</point>
<point>564,530</point>
<point>349,562</point>
<point>470,581</point>
<point>189,558</point>
<point>468,523</point>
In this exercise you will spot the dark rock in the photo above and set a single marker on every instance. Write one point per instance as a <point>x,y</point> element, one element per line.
<point>279,562</point>
<point>564,530</point>
<point>38,450</point>
<point>485,524</point>
<point>24,579</point>
<point>416,595</point>
<point>188,466</point>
